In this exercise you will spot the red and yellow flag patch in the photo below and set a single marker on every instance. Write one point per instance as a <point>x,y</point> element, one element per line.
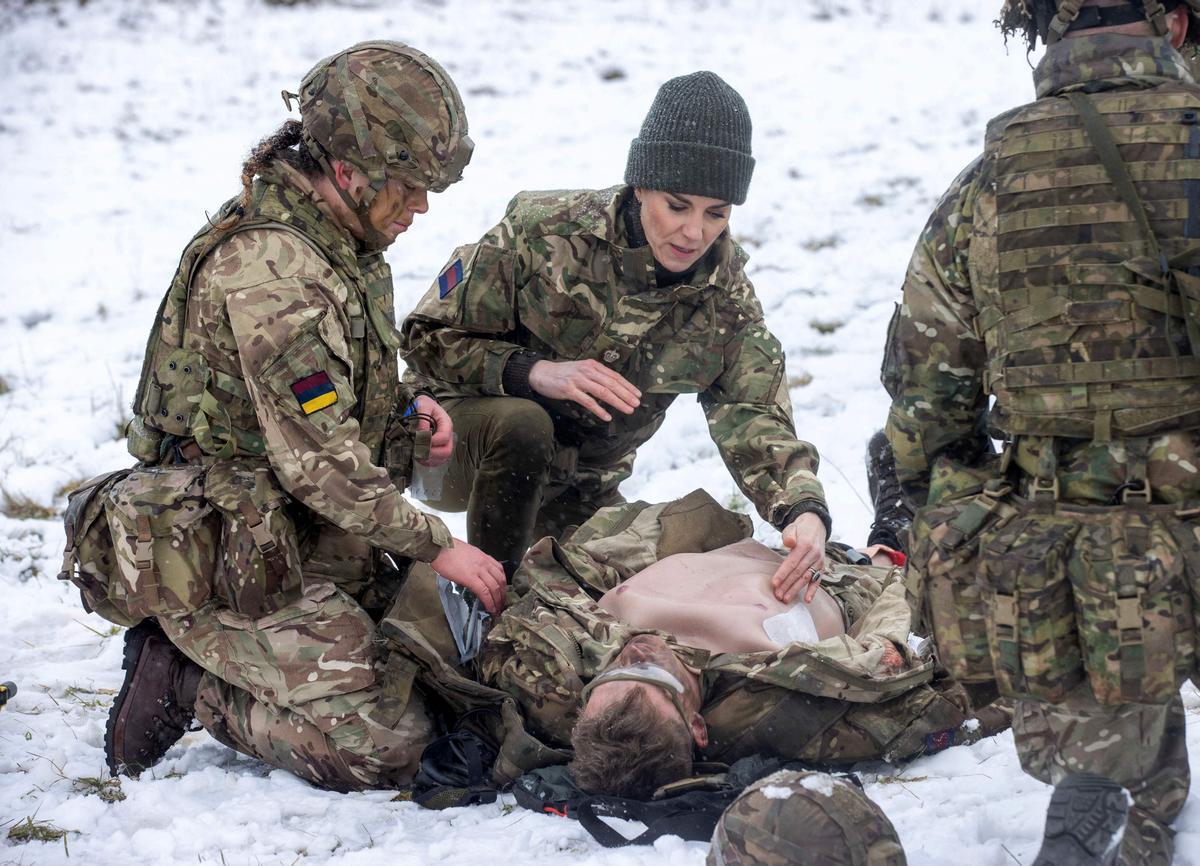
<point>315,392</point>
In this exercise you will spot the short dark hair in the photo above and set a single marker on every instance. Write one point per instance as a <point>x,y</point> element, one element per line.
<point>629,750</point>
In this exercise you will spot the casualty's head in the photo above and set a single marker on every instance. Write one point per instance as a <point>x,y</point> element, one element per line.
<point>1052,20</point>
<point>689,166</point>
<point>795,818</point>
<point>387,127</point>
<point>639,723</point>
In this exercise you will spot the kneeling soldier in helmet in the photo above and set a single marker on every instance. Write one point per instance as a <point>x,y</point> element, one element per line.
<point>264,528</point>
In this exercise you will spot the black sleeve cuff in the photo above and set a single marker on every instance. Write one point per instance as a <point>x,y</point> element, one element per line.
<point>809,506</point>
<point>515,378</point>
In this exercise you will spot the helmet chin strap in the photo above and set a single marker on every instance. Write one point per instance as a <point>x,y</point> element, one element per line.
<point>373,240</point>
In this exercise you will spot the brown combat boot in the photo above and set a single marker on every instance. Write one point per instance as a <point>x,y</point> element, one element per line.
<point>156,703</point>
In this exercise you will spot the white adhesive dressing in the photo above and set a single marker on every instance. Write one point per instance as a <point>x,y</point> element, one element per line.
<point>791,626</point>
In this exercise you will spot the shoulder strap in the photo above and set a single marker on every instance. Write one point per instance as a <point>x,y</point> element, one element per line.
<point>1116,169</point>
<point>1118,173</point>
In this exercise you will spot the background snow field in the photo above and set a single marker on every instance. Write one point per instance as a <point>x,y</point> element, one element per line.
<point>123,122</point>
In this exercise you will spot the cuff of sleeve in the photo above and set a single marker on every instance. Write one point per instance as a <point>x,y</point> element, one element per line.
<point>515,378</point>
<point>809,506</point>
<point>439,540</point>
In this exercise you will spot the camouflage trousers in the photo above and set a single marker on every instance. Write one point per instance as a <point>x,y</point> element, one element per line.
<point>301,689</point>
<point>1141,746</point>
<point>1085,615</point>
<point>510,476</point>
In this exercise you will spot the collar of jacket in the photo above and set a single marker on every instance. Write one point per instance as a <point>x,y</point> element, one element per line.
<point>720,268</point>
<point>294,194</point>
<point>1106,61</point>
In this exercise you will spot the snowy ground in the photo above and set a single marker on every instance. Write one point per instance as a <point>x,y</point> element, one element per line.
<point>121,122</point>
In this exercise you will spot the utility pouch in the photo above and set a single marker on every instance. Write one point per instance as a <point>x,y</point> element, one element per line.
<point>1031,630</point>
<point>173,393</point>
<point>1133,602</point>
<point>258,566</point>
<point>942,578</point>
<point>165,537</point>
<point>90,558</point>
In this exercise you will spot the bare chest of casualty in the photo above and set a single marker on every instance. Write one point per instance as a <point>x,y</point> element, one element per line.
<point>721,601</point>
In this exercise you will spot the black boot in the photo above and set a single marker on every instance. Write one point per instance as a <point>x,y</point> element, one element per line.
<point>893,514</point>
<point>1084,823</point>
<point>156,703</point>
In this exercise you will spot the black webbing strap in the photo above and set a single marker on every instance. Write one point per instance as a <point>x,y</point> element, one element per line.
<point>691,816</point>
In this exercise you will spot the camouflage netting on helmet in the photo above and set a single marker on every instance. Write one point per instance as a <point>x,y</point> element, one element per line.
<point>804,819</point>
<point>389,110</point>
<point>1029,18</point>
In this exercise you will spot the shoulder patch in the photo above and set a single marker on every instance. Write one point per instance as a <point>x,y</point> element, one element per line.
<point>315,392</point>
<point>450,278</point>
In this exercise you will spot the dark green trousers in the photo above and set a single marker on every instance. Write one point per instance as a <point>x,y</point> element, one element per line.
<point>501,476</point>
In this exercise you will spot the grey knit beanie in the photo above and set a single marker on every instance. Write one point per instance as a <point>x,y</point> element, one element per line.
<point>695,141</point>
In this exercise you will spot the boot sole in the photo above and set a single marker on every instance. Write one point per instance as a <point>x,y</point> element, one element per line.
<point>135,639</point>
<point>1084,823</point>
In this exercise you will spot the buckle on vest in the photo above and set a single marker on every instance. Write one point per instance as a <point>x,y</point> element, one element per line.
<point>1044,490</point>
<point>1135,492</point>
<point>1129,620</point>
<point>1004,613</point>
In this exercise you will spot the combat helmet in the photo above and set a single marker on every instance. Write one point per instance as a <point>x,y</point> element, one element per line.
<point>389,110</point>
<point>795,818</point>
<point>1049,20</point>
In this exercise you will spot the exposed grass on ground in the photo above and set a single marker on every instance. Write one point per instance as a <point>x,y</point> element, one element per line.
<point>30,830</point>
<point>18,506</point>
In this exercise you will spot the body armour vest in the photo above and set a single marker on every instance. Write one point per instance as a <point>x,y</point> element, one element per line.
<point>1084,321</point>
<point>191,390</point>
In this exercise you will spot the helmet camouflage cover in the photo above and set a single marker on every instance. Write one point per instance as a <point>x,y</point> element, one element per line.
<point>795,818</point>
<point>389,110</point>
<point>1048,20</point>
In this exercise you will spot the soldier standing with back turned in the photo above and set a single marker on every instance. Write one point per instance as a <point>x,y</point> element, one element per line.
<point>1058,277</point>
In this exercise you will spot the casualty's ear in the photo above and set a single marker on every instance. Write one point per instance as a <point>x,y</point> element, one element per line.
<point>699,730</point>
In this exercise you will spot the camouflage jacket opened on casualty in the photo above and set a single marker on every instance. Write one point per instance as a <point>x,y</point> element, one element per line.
<point>557,277</point>
<point>1035,282</point>
<point>277,354</point>
<point>555,639</point>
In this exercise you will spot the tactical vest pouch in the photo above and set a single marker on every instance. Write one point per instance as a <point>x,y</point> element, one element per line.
<point>1130,571</point>
<point>165,536</point>
<point>942,581</point>
<point>258,566</point>
<point>90,558</point>
<point>172,396</point>
<point>1031,629</point>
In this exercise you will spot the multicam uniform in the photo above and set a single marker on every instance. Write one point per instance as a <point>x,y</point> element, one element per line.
<point>822,702</point>
<point>1055,276</point>
<point>559,279</point>
<point>301,404</point>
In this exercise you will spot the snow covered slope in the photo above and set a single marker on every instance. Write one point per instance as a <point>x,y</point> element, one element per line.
<point>123,121</point>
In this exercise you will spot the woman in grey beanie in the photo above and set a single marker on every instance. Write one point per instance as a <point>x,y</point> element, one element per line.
<point>557,342</point>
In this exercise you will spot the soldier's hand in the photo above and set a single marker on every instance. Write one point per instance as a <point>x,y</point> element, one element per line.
<point>588,383</point>
<point>441,446</point>
<point>804,538</point>
<point>472,569</point>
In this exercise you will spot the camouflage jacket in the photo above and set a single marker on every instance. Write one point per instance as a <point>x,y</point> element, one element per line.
<point>294,333</point>
<point>557,277</point>
<point>936,360</point>
<point>555,639</point>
